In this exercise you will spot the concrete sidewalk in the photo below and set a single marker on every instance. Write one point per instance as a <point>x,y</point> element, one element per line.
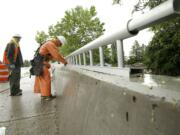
<point>29,114</point>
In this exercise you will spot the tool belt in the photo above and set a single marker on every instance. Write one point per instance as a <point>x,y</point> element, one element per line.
<point>37,65</point>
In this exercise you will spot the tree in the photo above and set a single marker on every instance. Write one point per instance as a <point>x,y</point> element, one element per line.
<point>114,54</point>
<point>142,4</point>
<point>163,52</point>
<point>26,63</point>
<point>116,1</point>
<point>41,37</point>
<point>79,26</point>
<point>153,3</point>
<point>136,54</point>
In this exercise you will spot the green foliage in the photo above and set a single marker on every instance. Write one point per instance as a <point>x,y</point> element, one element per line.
<point>41,37</point>
<point>111,54</point>
<point>79,26</point>
<point>162,55</point>
<point>163,52</point>
<point>96,56</point>
<point>26,63</point>
<point>154,3</point>
<point>116,1</point>
<point>113,59</point>
<point>136,54</point>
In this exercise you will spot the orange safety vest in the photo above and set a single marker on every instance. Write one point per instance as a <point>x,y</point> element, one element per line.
<point>5,59</point>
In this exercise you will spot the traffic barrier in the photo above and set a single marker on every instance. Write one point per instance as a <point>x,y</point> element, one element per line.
<point>4,73</point>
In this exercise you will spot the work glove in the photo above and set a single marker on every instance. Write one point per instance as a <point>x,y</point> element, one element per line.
<point>12,66</point>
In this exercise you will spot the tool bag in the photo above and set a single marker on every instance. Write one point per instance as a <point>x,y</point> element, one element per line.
<point>37,64</point>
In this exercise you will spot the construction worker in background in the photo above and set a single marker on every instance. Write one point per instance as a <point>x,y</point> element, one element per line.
<point>13,59</point>
<point>50,51</point>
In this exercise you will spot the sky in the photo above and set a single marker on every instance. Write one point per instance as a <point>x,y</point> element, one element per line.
<point>26,17</point>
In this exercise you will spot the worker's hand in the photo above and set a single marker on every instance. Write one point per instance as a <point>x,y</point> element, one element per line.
<point>65,63</point>
<point>12,66</point>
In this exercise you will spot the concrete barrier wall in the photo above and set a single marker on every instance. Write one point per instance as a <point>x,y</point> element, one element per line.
<point>91,106</point>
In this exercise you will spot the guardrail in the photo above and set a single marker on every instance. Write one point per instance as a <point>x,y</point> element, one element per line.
<point>167,10</point>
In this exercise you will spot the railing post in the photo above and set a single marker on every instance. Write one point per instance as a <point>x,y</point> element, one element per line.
<point>76,60</point>
<point>101,56</point>
<point>69,60</point>
<point>73,63</point>
<point>80,59</point>
<point>91,57</point>
<point>120,53</point>
<point>84,58</point>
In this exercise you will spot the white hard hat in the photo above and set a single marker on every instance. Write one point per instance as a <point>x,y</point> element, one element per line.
<point>17,35</point>
<point>62,39</point>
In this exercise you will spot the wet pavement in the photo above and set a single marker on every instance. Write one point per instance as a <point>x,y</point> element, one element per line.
<point>165,82</point>
<point>27,114</point>
<point>30,115</point>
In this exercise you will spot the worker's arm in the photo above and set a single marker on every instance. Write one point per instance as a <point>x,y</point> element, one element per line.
<point>10,53</point>
<point>53,50</point>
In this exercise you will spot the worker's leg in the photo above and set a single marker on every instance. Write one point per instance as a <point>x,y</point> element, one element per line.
<point>36,85</point>
<point>14,80</point>
<point>45,82</point>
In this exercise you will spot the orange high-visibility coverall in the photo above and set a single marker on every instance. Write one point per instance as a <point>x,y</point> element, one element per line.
<point>43,83</point>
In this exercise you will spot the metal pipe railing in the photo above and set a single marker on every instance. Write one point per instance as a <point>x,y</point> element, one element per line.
<point>79,59</point>
<point>76,60</point>
<point>84,58</point>
<point>165,11</point>
<point>120,53</point>
<point>101,56</point>
<point>91,57</point>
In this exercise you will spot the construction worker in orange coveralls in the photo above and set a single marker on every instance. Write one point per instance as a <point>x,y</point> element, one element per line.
<point>50,51</point>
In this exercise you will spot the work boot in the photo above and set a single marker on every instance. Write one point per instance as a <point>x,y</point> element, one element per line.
<point>47,98</point>
<point>52,96</point>
<point>17,94</point>
<point>11,94</point>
